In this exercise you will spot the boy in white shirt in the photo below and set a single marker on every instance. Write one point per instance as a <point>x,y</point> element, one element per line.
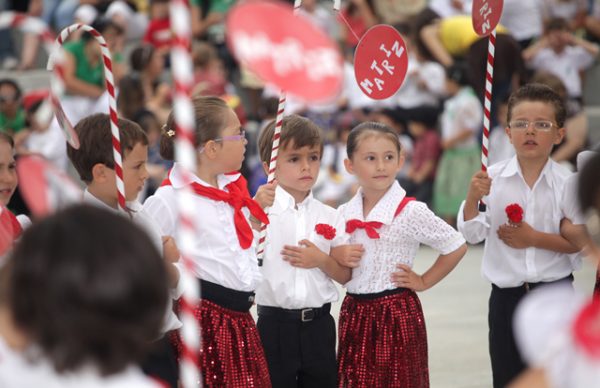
<point>520,255</point>
<point>95,165</point>
<point>294,299</point>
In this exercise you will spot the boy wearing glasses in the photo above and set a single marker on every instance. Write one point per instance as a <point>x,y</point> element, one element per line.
<point>519,256</point>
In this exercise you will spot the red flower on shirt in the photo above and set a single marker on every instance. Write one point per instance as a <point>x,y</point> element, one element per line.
<point>325,230</point>
<point>514,212</point>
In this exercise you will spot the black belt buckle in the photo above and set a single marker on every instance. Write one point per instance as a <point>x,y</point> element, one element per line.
<point>307,315</point>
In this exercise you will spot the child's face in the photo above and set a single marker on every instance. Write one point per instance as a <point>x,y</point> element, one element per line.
<point>134,171</point>
<point>8,173</point>
<point>298,169</point>
<point>529,143</point>
<point>232,150</point>
<point>375,162</point>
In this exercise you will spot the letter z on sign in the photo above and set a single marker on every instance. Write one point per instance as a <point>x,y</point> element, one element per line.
<point>380,62</point>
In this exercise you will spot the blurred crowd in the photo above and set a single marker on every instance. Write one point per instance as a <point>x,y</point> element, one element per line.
<point>438,111</point>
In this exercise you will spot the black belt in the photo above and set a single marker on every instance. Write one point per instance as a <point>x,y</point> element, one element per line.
<point>530,286</point>
<point>302,315</point>
<point>226,297</point>
<point>376,295</point>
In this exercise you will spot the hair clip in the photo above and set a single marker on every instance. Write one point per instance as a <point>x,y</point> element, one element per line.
<point>170,133</point>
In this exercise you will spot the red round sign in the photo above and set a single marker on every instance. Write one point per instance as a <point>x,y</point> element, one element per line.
<point>380,62</point>
<point>285,50</point>
<point>44,187</point>
<point>485,15</point>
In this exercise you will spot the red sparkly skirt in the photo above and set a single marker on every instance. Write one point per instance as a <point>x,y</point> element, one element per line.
<point>232,354</point>
<point>383,341</point>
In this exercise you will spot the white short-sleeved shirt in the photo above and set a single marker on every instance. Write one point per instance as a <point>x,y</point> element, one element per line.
<point>566,65</point>
<point>399,240</point>
<point>284,285</point>
<point>509,267</point>
<point>217,256</point>
<point>462,111</point>
<point>16,371</point>
<point>142,219</point>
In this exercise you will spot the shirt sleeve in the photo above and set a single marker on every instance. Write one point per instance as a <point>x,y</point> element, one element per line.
<point>569,203</point>
<point>157,208</point>
<point>475,230</point>
<point>429,229</point>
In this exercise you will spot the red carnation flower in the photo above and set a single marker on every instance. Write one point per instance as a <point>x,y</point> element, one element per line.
<point>325,230</point>
<point>514,212</point>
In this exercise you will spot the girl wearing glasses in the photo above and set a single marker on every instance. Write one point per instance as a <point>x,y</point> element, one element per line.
<point>224,255</point>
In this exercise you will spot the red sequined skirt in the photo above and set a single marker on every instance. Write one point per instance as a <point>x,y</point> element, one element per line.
<point>383,342</point>
<point>232,353</point>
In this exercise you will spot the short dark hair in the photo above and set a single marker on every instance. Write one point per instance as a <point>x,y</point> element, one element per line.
<point>140,57</point>
<point>364,129</point>
<point>95,139</point>
<point>209,119</point>
<point>300,130</point>
<point>14,84</point>
<point>540,93</point>
<point>87,285</point>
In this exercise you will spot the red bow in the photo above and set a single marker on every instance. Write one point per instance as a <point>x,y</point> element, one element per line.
<point>369,227</point>
<point>237,198</point>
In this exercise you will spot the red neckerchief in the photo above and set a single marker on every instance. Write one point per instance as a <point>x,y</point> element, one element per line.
<point>237,197</point>
<point>371,226</point>
<point>10,229</point>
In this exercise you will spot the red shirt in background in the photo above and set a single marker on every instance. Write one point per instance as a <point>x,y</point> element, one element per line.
<point>159,33</point>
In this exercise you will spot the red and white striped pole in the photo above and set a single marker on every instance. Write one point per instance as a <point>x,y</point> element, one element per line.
<point>185,152</point>
<point>487,106</point>
<point>57,60</point>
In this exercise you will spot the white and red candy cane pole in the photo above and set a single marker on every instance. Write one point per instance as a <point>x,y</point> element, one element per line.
<point>487,106</point>
<point>181,64</point>
<point>58,89</point>
<point>260,253</point>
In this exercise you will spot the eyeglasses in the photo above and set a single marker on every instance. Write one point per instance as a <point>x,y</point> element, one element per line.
<point>241,136</point>
<point>539,125</point>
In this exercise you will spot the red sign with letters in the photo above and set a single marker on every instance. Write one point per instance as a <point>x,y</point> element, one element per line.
<point>485,15</point>
<point>286,50</point>
<point>380,62</point>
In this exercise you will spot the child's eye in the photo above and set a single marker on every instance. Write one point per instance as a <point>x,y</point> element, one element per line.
<point>370,158</point>
<point>12,166</point>
<point>293,160</point>
<point>389,157</point>
<point>314,158</point>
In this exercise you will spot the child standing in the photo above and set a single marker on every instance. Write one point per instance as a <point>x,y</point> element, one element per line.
<point>82,297</point>
<point>224,256</point>
<point>523,255</point>
<point>10,226</point>
<point>294,299</point>
<point>95,165</point>
<point>383,342</point>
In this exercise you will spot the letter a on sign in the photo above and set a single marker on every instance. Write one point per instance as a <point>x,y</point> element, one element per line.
<point>380,60</point>
<point>485,15</point>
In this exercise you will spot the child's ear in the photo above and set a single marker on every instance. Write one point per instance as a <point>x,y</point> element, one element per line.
<point>348,165</point>
<point>507,130</point>
<point>99,173</point>
<point>265,167</point>
<point>560,135</point>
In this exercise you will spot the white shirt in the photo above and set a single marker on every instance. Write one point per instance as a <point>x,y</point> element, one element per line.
<point>445,9</point>
<point>411,94</point>
<point>462,111</point>
<point>217,256</point>
<point>509,267</point>
<point>523,18</point>
<point>565,65</point>
<point>399,240</point>
<point>284,285</point>
<point>16,371</point>
<point>142,219</point>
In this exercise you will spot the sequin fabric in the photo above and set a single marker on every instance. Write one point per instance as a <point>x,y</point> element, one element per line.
<point>383,342</point>
<point>232,355</point>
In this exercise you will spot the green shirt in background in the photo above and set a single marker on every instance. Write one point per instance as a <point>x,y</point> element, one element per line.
<point>84,70</point>
<point>12,126</point>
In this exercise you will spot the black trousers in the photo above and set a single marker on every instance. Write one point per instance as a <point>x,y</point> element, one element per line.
<point>160,362</point>
<point>299,354</point>
<point>504,354</point>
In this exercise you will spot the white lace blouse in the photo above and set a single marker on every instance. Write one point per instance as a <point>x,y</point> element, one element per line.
<point>399,240</point>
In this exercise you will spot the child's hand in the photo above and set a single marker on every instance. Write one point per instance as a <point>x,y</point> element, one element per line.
<point>519,236</point>
<point>479,187</point>
<point>305,255</point>
<point>348,255</point>
<point>265,195</point>
<point>170,251</point>
<point>408,278</point>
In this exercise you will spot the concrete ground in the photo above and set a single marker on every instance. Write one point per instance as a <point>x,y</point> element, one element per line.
<point>456,317</point>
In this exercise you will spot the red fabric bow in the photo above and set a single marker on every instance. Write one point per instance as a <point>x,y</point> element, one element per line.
<point>237,198</point>
<point>369,227</point>
<point>514,212</point>
<point>327,231</point>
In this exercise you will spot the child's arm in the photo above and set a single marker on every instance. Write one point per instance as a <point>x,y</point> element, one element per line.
<point>524,236</point>
<point>347,255</point>
<point>588,46</point>
<point>407,278</point>
<point>308,255</point>
<point>530,52</point>
<point>480,186</point>
<point>171,255</point>
<point>265,196</point>
<point>575,234</point>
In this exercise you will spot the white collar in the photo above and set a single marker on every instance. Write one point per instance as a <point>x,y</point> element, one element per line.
<point>513,168</point>
<point>384,211</point>
<point>177,176</point>
<point>91,199</point>
<point>284,201</point>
